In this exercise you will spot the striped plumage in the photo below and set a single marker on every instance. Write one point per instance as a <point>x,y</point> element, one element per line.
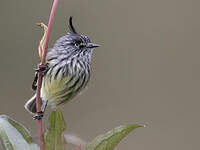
<point>68,69</point>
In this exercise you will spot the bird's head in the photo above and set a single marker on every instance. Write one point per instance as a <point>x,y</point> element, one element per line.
<point>74,41</point>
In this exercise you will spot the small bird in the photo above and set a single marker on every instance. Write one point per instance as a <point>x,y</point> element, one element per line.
<point>67,72</point>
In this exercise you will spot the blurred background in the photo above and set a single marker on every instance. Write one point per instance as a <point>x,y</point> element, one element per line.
<point>146,71</point>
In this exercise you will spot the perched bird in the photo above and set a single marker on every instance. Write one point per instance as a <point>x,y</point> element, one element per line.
<point>68,70</point>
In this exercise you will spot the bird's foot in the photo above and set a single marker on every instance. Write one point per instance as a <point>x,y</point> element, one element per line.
<point>43,69</point>
<point>38,116</point>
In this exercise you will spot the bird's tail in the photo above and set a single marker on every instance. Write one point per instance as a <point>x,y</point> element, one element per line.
<point>30,105</point>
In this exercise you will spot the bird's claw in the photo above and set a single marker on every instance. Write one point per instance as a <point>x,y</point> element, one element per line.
<point>38,116</point>
<point>43,69</point>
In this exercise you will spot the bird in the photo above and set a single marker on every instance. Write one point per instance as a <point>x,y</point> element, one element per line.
<point>67,73</point>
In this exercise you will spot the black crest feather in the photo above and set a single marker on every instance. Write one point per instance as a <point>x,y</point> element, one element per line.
<point>71,27</point>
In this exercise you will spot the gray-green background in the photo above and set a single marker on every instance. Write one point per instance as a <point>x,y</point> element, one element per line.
<point>146,71</point>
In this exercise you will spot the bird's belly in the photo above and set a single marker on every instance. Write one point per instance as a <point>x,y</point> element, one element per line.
<point>59,91</point>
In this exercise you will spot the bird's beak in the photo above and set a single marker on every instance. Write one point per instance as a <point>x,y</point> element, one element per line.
<point>92,45</point>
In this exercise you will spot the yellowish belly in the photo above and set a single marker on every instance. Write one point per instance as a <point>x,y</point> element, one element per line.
<point>53,90</point>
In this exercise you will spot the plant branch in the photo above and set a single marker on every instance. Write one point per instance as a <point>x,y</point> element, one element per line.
<point>40,66</point>
<point>43,61</point>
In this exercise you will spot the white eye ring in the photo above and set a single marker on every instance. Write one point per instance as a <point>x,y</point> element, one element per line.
<point>77,45</point>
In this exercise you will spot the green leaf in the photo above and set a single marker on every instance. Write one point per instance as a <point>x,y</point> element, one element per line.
<point>53,137</point>
<point>110,139</point>
<point>14,136</point>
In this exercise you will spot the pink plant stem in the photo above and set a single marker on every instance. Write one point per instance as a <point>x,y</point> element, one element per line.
<point>49,30</point>
<point>41,65</point>
<point>38,107</point>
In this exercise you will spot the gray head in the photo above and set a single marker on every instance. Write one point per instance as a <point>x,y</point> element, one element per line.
<point>74,42</point>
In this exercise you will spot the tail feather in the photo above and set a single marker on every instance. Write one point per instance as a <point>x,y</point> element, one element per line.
<point>30,105</point>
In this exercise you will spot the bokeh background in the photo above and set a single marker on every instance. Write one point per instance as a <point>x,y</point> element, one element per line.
<point>147,70</point>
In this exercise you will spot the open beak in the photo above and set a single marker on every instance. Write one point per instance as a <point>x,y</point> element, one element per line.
<point>92,45</point>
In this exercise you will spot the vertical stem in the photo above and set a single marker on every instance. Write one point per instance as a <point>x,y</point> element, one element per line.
<point>38,107</point>
<point>39,82</point>
<point>49,30</point>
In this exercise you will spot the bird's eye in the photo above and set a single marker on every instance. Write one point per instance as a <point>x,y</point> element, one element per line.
<point>79,44</point>
<point>76,44</point>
